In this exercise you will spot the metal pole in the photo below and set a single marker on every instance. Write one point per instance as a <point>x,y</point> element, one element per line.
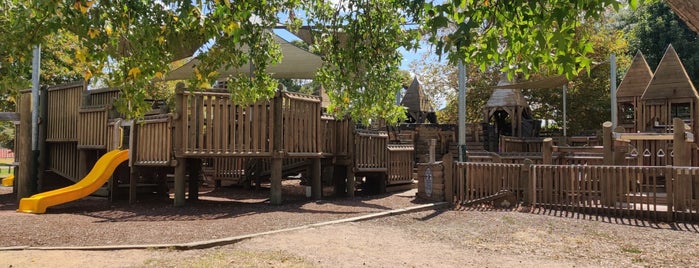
<point>462,111</point>
<point>612,69</point>
<point>565,111</point>
<point>36,60</point>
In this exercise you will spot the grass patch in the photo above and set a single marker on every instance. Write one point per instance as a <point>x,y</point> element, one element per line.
<point>6,170</point>
<point>224,258</point>
<point>631,249</point>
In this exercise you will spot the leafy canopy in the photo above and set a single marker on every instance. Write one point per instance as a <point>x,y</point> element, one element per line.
<point>130,43</point>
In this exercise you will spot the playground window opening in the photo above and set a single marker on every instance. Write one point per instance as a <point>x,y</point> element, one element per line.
<point>681,110</point>
<point>626,113</point>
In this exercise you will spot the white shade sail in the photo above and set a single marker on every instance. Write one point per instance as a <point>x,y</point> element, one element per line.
<point>296,63</point>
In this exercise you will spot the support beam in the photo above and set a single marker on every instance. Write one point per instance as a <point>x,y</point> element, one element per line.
<point>316,184</point>
<point>277,149</point>
<point>180,173</point>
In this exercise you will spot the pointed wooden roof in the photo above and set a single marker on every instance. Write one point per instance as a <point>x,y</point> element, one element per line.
<point>415,99</point>
<point>636,79</point>
<point>506,97</point>
<point>670,79</point>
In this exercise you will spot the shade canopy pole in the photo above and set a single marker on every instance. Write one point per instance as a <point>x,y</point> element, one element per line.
<point>612,69</point>
<point>462,111</point>
<point>565,111</point>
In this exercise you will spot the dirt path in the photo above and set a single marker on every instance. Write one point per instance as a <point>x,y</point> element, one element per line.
<point>433,238</point>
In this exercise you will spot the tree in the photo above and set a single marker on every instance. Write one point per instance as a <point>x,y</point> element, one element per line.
<point>653,27</point>
<point>588,94</point>
<point>129,43</point>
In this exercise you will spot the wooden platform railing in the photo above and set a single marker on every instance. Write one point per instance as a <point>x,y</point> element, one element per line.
<point>301,129</point>
<point>516,144</point>
<point>212,126</point>
<point>401,161</point>
<point>657,193</point>
<point>370,154</point>
<point>92,133</point>
<point>63,105</point>
<point>154,141</point>
<point>335,136</point>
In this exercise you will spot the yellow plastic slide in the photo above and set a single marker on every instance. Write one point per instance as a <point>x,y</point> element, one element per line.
<point>99,174</point>
<point>8,181</point>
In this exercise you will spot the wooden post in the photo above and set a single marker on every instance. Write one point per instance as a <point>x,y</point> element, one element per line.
<point>525,179</point>
<point>277,148</point>
<point>180,174</point>
<point>43,151</point>
<point>547,151</point>
<point>448,163</point>
<point>133,148</point>
<point>315,178</point>
<point>25,183</point>
<point>350,167</point>
<point>619,152</point>
<point>432,144</point>
<point>679,145</point>
<point>180,127</point>
<point>607,143</point>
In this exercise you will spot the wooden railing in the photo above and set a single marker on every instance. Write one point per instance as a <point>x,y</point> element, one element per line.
<point>658,193</point>
<point>335,136</point>
<point>401,160</point>
<point>370,154</point>
<point>92,133</point>
<point>211,126</point>
<point>63,104</point>
<point>153,141</point>
<point>301,129</point>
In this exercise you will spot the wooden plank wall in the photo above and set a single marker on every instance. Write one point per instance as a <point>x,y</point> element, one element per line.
<point>63,105</point>
<point>216,127</point>
<point>370,151</point>
<point>516,144</point>
<point>92,133</point>
<point>63,159</point>
<point>401,161</point>
<point>101,97</point>
<point>329,130</point>
<point>154,142</point>
<point>301,129</point>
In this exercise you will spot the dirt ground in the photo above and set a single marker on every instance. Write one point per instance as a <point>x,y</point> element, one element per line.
<point>472,237</point>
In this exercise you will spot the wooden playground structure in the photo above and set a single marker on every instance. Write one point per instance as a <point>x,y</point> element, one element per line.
<point>647,167</point>
<point>204,135</point>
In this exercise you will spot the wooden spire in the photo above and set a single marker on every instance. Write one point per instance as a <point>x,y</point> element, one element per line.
<point>636,79</point>
<point>670,79</point>
<point>415,99</point>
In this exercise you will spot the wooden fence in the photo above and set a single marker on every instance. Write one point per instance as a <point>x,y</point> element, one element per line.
<point>658,193</point>
<point>301,130</point>
<point>401,161</point>
<point>63,159</point>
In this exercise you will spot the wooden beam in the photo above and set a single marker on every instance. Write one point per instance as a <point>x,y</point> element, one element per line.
<point>9,116</point>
